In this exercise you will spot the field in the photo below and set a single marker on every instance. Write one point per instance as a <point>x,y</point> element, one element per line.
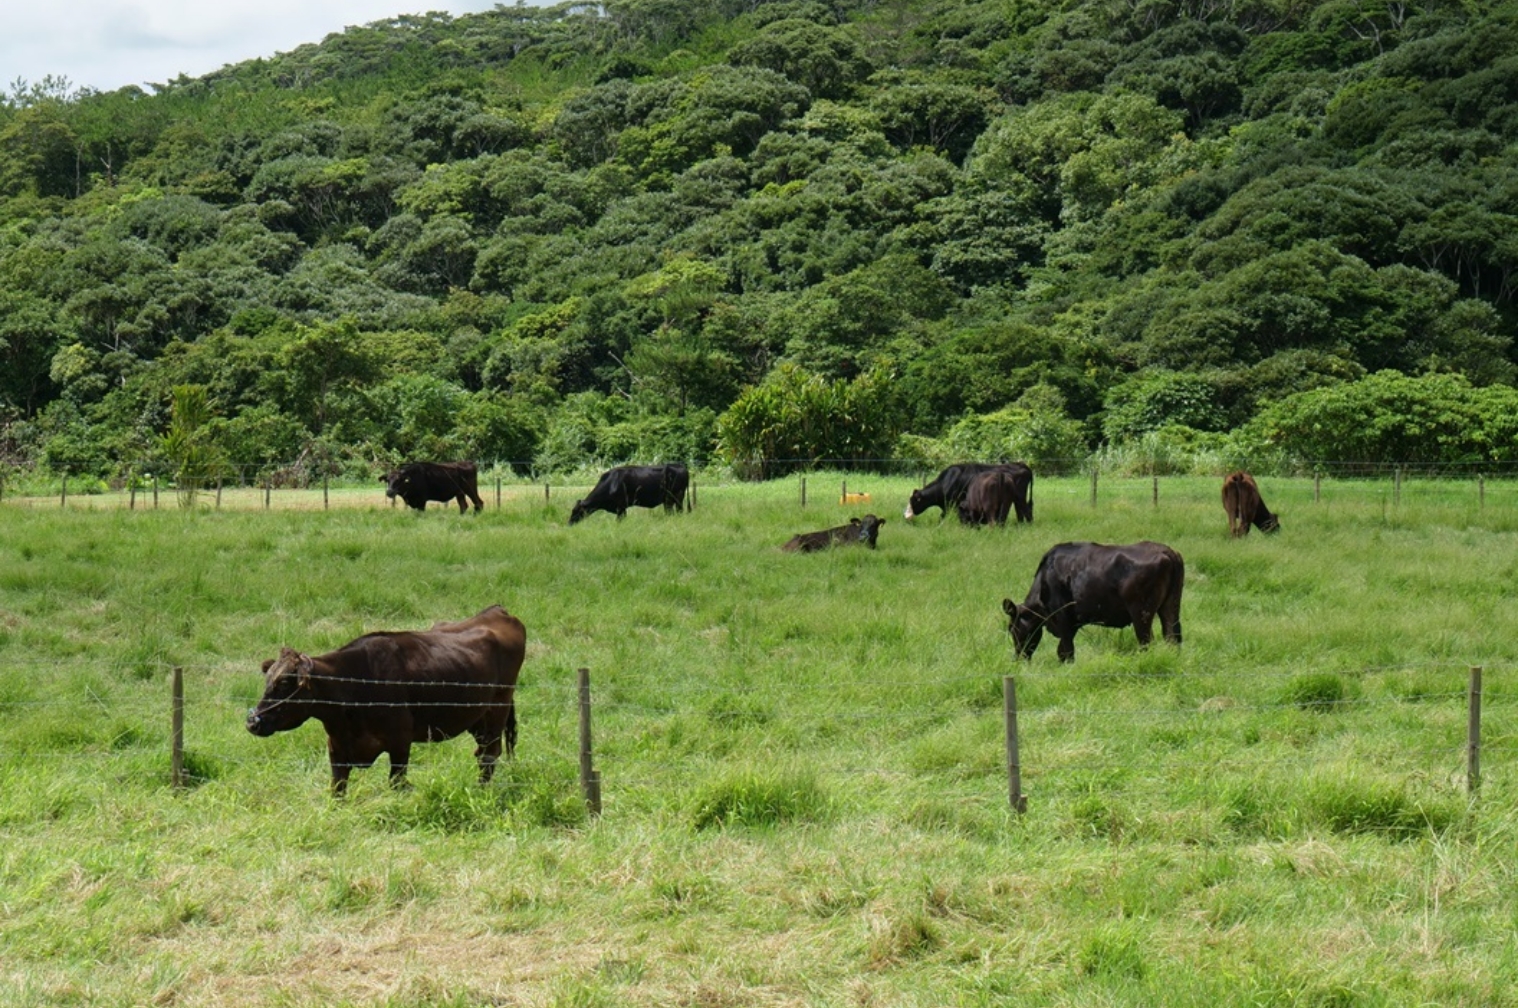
<point>804,786</point>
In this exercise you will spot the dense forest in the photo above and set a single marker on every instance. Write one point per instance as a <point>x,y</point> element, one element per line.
<point>761,234</point>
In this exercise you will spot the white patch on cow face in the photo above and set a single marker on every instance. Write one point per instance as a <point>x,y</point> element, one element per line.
<point>907,514</point>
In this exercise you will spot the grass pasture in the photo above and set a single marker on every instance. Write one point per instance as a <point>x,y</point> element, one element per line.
<point>804,793</point>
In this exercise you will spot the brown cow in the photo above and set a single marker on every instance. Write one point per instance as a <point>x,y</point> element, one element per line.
<point>1241,501</point>
<point>859,530</point>
<point>416,483</point>
<point>384,691</point>
<point>992,496</point>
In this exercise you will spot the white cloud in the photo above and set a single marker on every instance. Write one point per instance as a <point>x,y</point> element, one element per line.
<point>107,44</point>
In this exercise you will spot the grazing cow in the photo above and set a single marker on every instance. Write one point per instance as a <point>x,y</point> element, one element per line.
<point>953,484</point>
<point>1242,502</point>
<point>384,691</point>
<point>990,498</point>
<point>859,530</point>
<point>1081,584</point>
<point>635,486</point>
<point>416,483</point>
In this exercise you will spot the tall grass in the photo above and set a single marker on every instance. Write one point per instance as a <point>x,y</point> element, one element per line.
<point>801,759</point>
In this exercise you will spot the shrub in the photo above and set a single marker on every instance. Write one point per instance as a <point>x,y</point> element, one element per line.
<point>796,419</point>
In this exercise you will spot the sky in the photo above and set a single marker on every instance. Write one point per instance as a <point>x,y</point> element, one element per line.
<point>109,44</point>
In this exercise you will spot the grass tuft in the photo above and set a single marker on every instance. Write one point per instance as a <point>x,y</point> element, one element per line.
<point>758,798</point>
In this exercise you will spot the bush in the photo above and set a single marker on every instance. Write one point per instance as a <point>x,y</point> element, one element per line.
<point>796,419</point>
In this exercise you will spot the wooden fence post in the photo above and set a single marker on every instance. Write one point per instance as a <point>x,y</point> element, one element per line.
<point>155,492</point>
<point>176,756</point>
<point>63,494</point>
<point>1156,491</point>
<point>843,497</point>
<point>693,493</point>
<point>1014,766</point>
<point>1397,486</point>
<point>545,491</point>
<point>1317,486</point>
<point>498,493</point>
<point>131,492</point>
<point>1481,491</point>
<point>218,493</point>
<point>1094,471</point>
<point>590,781</point>
<point>803,491</point>
<point>324,491</point>
<point>268,488</point>
<point>1473,734</point>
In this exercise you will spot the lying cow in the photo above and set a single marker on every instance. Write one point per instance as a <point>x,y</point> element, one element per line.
<point>953,485</point>
<point>384,691</point>
<point>859,530</point>
<point>1081,584</point>
<point>416,483</point>
<point>991,497</point>
<point>1244,507</point>
<point>635,486</point>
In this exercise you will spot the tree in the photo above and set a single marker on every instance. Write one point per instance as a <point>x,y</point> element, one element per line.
<point>189,445</point>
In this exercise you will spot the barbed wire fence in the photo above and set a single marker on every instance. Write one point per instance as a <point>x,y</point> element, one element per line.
<point>558,716</point>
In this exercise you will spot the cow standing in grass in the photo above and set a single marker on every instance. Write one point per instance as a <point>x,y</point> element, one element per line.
<point>1245,507</point>
<point>953,485</point>
<point>385,691</point>
<point>416,483</point>
<point>1088,584</point>
<point>635,486</point>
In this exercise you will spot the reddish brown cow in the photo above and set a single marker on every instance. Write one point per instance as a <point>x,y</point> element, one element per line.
<point>1241,501</point>
<point>384,691</point>
<point>991,498</point>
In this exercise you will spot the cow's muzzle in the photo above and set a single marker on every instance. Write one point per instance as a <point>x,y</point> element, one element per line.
<point>258,725</point>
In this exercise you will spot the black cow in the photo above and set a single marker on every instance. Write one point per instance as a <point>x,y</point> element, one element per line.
<point>416,483</point>
<point>1244,506</point>
<point>991,498</point>
<point>859,530</point>
<point>953,485</point>
<point>635,486</point>
<point>384,691</point>
<point>1080,584</point>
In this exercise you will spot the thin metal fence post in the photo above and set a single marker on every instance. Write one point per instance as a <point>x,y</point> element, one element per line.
<point>590,780</point>
<point>1473,734</point>
<point>176,756</point>
<point>1014,765</point>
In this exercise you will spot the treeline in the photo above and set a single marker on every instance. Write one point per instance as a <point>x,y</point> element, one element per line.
<point>754,232</point>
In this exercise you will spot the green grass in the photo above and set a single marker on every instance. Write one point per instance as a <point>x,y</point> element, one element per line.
<point>803,775</point>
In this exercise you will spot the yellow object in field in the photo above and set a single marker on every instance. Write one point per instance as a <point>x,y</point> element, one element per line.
<point>854,498</point>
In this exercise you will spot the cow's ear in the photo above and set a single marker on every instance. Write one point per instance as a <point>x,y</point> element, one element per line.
<point>853,521</point>
<point>1009,607</point>
<point>303,678</point>
<point>268,664</point>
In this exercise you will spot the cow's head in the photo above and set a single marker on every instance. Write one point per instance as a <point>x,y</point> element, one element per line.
<point>287,682</point>
<point>397,482</point>
<point>1270,523</point>
<point>1025,626</point>
<point>869,529</point>
<point>578,512</point>
<point>915,505</point>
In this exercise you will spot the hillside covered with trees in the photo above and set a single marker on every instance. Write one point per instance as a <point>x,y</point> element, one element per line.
<point>751,232</point>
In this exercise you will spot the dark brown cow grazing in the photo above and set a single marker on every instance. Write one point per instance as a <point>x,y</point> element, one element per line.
<point>953,484</point>
<point>1241,500</point>
<point>859,530</point>
<point>991,498</point>
<point>1088,584</point>
<point>384,691</point>
<point>416,483</point>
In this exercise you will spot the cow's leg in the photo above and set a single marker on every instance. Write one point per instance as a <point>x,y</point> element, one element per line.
<point>344,759</point>
<point>511,729</point>
<point>400,758</point>
<point>463,502</point>
<point>479,505</point>
<point>1170,621</point>
<point>1143,626</point>
<point>487,752</point>
<point>1067,648</point>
